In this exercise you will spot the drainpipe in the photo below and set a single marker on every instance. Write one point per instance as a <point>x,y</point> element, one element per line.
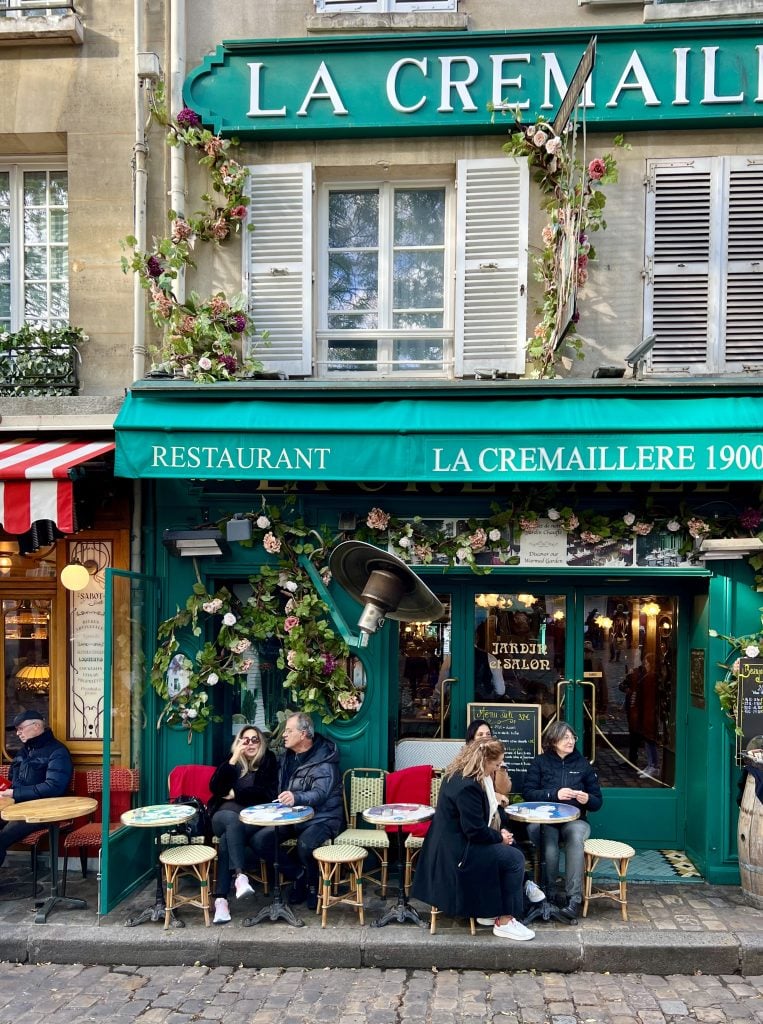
<point>177,153</point>
<point>140,187</point>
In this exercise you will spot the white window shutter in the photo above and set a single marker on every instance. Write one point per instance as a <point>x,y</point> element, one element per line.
<point>491,265</point>
<point>278,263</point>
<point>743,294</point>
<point>679,306</point>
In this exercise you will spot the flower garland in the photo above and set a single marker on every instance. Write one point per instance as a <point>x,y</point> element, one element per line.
<point>748,646</point>
<point>283,605</point>
<point>575,205</point>
<point>199,335</point>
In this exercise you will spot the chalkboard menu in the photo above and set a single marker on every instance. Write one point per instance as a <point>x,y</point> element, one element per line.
<point>750,702</point>
<point>517,726</point>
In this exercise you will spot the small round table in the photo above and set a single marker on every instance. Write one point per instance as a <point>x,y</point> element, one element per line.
<point>157,816</point>
<point>543,812</point>
<point>275,815</point>
<point>399,815</point>
<point>52,811</point>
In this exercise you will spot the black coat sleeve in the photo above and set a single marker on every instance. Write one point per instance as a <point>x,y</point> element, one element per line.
<point>471,812</point>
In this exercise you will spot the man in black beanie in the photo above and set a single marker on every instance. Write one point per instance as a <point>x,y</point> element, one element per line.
<point>42,768</point>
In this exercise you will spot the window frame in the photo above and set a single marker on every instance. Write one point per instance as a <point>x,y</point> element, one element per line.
<point>385,336</point>
<point>16,170</point>
<point>384,6</point>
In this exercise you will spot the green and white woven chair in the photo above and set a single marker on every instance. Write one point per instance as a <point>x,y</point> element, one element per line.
<point>364,787</point>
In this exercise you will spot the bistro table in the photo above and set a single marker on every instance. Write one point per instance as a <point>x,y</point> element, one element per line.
<point>399,815</point>
<point>275,815</point>
<point>157,816</point>
<point>543,812</point>
<point>51,811</point>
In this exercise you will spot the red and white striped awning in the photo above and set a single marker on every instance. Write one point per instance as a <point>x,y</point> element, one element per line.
<point>35,481</point>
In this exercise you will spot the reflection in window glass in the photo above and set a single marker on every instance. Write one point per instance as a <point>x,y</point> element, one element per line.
<point>26,660</point>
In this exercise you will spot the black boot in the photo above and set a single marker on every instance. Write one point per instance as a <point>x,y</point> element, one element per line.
<point>298,890</point>
<point>572,910</point>
<point>311,902</point>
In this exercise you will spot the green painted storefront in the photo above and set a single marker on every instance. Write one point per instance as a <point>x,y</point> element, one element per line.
<point>691,439</point>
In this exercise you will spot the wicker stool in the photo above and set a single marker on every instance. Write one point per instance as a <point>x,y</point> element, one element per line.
<point>331,860</point>
<point>187,860</point>
<point>619,854</point>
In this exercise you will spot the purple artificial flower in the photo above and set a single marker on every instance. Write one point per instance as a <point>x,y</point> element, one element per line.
<point>236,324</point>
<point>228,363</point>
<point>154,267</point>
<point>751,519</point>
<point>188,118</point>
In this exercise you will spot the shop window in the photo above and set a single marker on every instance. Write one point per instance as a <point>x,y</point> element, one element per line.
<point>412,278</point>
<point>704,232</point>
<point>26,660</point>
<point>34,253</point>
<point>382,6</point>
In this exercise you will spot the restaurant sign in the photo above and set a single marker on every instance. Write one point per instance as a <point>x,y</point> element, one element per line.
<point>359,456</point>
<point>645,76</point>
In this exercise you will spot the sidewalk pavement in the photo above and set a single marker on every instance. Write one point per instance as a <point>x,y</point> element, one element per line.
<point>672,929</point>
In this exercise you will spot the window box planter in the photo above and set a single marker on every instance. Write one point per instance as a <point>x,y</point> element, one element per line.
<point>40,362</point>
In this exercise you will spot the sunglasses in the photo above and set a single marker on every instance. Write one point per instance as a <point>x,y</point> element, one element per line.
<point>250,739</point>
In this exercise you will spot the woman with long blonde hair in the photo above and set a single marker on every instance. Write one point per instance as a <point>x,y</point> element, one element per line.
<point>249,776</point>
<point>466,868</point>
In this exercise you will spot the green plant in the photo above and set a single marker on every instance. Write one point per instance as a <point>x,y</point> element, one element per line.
<point>575,203</point>
<point>202,337</point>
<point>37,360</point>
<point>750,645</point>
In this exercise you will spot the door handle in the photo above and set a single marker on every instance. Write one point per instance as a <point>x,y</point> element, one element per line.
<point>443,710</point>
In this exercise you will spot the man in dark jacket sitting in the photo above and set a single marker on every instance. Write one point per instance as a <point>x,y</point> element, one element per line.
<point>309,777</point>
<point>42,768</point>
<point>562,775</point>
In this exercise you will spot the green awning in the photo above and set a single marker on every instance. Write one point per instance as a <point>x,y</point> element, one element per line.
<point>481,431</point>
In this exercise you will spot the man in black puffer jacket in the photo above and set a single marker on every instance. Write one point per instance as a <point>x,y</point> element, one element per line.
<point>42,768</point>
<point>308,775</point>
<point>562,775</point>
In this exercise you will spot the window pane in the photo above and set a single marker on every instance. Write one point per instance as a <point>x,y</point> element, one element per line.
<point>353,219</point>
<point>419,216</point>
<point>353,280</point>
<point>36,263</point>
<point>58,262</point>
<point>353,321</point>
<point>36,302</point>
<point>5,194</point>
<point>35,188</point>
<point>59,226</point>
<point>419,280</point>
<point>35,226</point>
<point>59,188</point>
<point>410,354</point>
<point>5,304</point>
<point>422,321</point>
<point>5,226</point>
<point>346,355</point>
<point>59,301</point>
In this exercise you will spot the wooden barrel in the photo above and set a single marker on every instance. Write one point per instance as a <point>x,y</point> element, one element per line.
<point>750,844</point>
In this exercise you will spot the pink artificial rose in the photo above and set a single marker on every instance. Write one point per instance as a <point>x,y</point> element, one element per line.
<point>597,169</point>
<point>271,543</point>
<point>290,622</point>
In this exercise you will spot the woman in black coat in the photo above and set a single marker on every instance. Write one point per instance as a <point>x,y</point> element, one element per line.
<point>249,776</point>
<point>465,867</point>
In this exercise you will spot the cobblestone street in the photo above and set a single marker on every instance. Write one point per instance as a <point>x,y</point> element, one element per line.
<point>75,994</point>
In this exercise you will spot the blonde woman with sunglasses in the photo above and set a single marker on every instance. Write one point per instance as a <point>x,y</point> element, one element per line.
<point>249,776</point>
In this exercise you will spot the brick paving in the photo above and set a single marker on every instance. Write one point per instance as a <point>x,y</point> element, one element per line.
<point>76,994</point>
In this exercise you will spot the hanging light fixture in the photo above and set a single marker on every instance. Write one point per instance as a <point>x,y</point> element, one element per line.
<point>75,575</point>
<point>35,678</point>
<point>650,608</point>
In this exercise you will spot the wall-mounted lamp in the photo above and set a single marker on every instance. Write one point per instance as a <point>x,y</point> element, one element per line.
<point>348,522</point>
<point>238,528</point>
<point>195,543</point>
<point>75,575</point>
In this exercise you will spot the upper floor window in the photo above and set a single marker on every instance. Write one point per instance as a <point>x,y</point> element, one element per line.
<point>383,6</point>
<point>31,8</point>
<point>704,264</point>
<point>404,277</point>
<point>34,253</point>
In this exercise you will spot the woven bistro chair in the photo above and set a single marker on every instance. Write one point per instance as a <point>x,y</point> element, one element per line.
<point>413,844</point>
<point>362,788</point>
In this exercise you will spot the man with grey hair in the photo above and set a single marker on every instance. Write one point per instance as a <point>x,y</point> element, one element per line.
<point>308,776</point>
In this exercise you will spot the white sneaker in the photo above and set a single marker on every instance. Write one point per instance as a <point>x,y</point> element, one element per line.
<point>533,892</point>
<point>222,913</point>
<point>487,921</point>
<point>242,886</point>
<point>513,930</point>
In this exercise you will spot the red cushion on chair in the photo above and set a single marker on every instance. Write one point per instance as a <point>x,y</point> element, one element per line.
<point>410,786</point>
<point>191,780</point>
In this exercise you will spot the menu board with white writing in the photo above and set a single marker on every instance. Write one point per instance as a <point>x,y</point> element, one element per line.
<point>545,546</point>
<point>750,702</point>
<point>517,726</point>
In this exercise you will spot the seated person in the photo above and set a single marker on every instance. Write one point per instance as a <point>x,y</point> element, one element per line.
<point>249,776</point>
<point>308,775</point>
<point>561,774</point>
<point>466,868</point>
<point>41,769</point>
